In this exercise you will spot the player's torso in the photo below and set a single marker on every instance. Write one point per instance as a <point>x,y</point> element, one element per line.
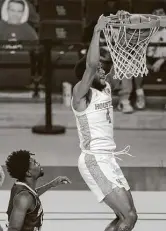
<point>95,124</point>
<point>34,217</point>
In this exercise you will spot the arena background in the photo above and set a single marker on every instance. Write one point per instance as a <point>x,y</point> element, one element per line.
<point>74,207</point>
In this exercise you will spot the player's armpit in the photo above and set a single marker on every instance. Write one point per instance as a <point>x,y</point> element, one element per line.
<point>22,203</point>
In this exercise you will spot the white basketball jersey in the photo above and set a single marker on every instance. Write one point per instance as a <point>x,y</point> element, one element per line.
<point>95,124</point>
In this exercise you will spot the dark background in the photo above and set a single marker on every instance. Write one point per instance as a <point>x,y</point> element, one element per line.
<point>66,20</point>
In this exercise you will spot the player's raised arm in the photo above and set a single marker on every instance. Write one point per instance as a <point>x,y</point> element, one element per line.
<point>92,61</point>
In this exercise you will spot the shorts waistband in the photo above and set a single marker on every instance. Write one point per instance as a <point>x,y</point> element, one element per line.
<point>125,151</point>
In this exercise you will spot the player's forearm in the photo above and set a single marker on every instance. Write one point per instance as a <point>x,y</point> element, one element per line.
<point>93,55</point>
<point>44,188</point>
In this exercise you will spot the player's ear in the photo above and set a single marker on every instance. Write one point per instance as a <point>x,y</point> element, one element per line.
<point>28,174</point>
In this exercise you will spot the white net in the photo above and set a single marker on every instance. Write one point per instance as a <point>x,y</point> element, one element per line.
<point>127,46</point>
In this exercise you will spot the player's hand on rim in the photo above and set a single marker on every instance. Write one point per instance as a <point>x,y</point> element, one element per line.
<point>101,23</point>
<point>122,14</point>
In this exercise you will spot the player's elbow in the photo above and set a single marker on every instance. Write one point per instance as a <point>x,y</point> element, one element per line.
<point>80,68</point>
<point>85,67</point>
<point>91,64</point>
<point>13,228</point>
<point>92,61</point>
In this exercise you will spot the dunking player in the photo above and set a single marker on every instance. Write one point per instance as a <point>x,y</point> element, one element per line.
<point>25,211</point>
<point>92,106</point>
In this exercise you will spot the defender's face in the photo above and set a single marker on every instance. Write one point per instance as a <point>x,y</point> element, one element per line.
<point>15,12</point>
<point>35,169</point>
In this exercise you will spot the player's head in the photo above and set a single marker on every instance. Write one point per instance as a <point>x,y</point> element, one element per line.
<point>99,80</point>
<point>159,12</point>
<point>21,165</point>
<point>15,11</point>
<point>111,6</point>
<point>111,3</point>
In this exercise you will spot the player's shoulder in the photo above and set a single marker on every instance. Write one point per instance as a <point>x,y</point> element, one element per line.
<point>23,199</point>
<point>78,98</point>
<point>108,88</point>
<point>76,87</point>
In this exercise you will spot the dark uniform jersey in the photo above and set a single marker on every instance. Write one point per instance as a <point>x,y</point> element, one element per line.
<point>33,219</point>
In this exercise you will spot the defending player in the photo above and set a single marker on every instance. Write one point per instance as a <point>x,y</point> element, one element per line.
<point>25,211</point>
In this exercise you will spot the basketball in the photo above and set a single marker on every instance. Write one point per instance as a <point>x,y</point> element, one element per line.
<point>137,35</point>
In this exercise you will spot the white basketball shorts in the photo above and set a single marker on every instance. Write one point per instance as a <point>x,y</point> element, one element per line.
<point>101,173</point>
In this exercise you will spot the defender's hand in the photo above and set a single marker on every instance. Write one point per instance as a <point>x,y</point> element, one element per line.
<point>60,180</point>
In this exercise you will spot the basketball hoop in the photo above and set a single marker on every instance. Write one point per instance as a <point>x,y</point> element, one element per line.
<point>127,36</point>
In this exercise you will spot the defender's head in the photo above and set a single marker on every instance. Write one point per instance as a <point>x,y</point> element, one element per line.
<point>99,81</point>
<point>20,165</point>
<point>111,3</point>
<point>15,11</point>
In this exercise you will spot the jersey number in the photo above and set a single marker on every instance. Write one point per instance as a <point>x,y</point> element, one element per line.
<point>108,117</point>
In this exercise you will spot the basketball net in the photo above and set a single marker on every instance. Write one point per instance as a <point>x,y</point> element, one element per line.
<point>128,50</point>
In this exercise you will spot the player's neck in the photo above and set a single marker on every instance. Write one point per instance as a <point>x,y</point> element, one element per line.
<point>98,87</point>
<point>31,183</point>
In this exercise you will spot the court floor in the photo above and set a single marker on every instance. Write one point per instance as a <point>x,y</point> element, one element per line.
<point>80,210</point>
<point>148,147</point>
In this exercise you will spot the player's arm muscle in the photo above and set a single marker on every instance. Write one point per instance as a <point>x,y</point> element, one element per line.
<point>92,61</point>
<point>21,204</point>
